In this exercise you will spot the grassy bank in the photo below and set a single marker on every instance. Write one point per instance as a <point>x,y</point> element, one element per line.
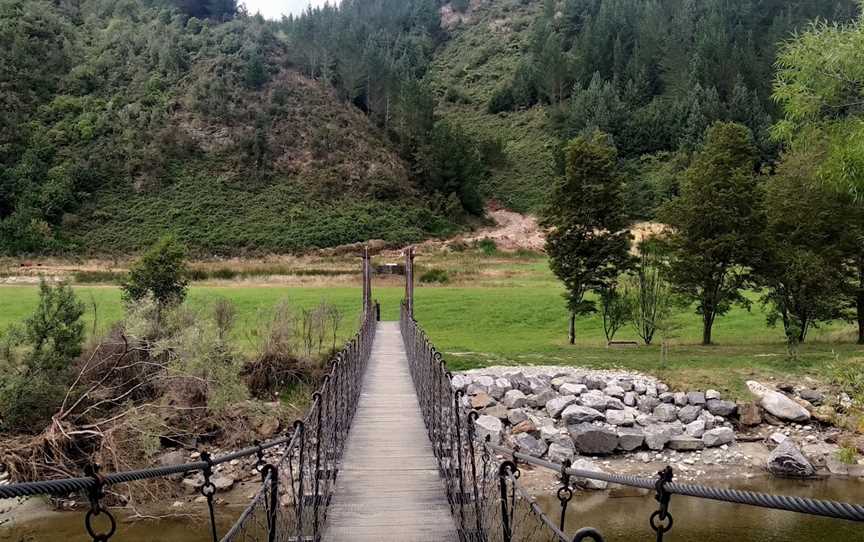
<point>509,310</point>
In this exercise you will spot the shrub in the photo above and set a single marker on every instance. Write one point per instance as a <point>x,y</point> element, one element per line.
<point>161,273</point>
<point>848,455</point>
<point>487,246</point>
<point>439,276</point>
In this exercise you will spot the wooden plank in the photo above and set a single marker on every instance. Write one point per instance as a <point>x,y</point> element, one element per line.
<point>388,486</point>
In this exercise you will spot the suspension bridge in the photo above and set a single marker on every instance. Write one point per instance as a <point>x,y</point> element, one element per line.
<point>387,450</point>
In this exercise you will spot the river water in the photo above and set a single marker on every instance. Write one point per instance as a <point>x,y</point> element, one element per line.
<point>621,516</point>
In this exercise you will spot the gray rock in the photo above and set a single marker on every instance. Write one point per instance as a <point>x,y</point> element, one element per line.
<point>719,407</point>
<point>614,391</point>
<point>787,460</point>
<point>630,439</point>
<point>588,483</point>
<point>712,394</point>
<point>573,389</point>
<point>667,397</point>
<point>498,411</point>
<point>662,387</point>
<point>538,384</point>
<point>626,385</point>
<point>539,400</point>
<point>553,434</point>
<point>718,437</point>
<point>695,428</point>
<point>647,404</point>
<point>812,396</point>
<point>530,445</point>
<point>516,416</point>
<point>656,437</point>
<point>689,413</point>
<point>499,388</point>
<point>518,381</point>
<point>680,399</point>
<point>651,389</point>
<point>475,388</point>
<point>666,412</point>
<point>594,399</point>
<point>591,439</point>
<point>193,484</point>
<point>645,420</point>
<point>460,382</point>
<point>557,405</point>
<point>684,443</point>
<point>514,399</point>
<point>481,400</point>
<point>614,404</point>
<point>222,482</point>
<point>777,437</point>
<point>708,418</point>
<point>489,425</point>
<point>630,398</point>
<point>576,414</point>
<point>595,382</point>
<point>696,398</point>
<point>558,452</point>
<point>172,459</point>
<point>777,404</point>
<point>639,388</point>
<point>619,417</point>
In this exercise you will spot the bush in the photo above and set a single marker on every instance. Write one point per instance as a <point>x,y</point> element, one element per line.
<point>161,273</point>
<point>432,276</point>
<point>487,247</point>
<point>501,100</point>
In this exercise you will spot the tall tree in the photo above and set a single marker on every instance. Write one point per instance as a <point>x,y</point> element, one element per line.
<point>715,223</point>
<point>588,240</point>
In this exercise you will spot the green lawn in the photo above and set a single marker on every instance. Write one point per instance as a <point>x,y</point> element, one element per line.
<point>518,318</point>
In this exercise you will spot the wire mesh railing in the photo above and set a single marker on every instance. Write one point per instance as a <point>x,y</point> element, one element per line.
<point>481,477</point>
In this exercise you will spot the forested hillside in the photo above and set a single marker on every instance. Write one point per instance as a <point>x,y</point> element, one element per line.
<point>654,75</point>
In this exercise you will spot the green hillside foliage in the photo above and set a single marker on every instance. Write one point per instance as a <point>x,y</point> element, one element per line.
<point>122,121</point>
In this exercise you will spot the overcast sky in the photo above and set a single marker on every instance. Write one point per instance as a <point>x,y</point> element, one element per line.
<point>274,9</point>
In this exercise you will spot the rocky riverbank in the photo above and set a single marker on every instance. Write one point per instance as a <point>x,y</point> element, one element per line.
<point>633,423</point>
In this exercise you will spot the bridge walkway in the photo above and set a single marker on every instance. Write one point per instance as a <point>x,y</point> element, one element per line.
<point>388,486</point>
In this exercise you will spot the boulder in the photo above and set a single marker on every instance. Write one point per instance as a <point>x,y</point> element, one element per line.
<point>539,400</point>
<point>825,414</point>
<point>630,439</point>
<point>630,398</point>
<point>712,394</point>
<point>591,439</point>
<point>560,451</point>
<point>695,428</point>
<point>489,425</point>
<point>594,399</point>
<point>689,413</point>
<point>595,382</point>
<point>718,437</point>
<point>516,416</point>
<point>481,400</point>
<point>460,382</point>
<point>667,397</point>
<point>749,414</point>
<point>639,388</point>
<point>647,404</point>
<point>526,426</point>
<point>222,482</point>
<point>718,407</point>
<point>193,484</point>
<point>538,385</point>
<point>518,381</point>
<point>680,399</point>
<point>626,384</point>
<point>553,434</point>
<point>575,414</point>
<point>656,437</point>
<point>557,405</point>
<point>651,389</point>
<point>645,420</point>
<point>620,417</point>
<point>499,411</point>
<point>665,412</point>
<point>614,391</point>
<point>696,398</point>
<point>777,404</point>
<point>786,460</point>
<point>515,399</point>
<point>499,387</point>
<point>814,397</point>
<point>573,389</point>
<point>529,444</point>
<point>614,403</point>
<point>662,387</point>
<point>588,483</point>
<point>708,418</point>
<point>684,443</point>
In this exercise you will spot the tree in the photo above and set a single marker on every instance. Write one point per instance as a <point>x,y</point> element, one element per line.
<point>449,163</point>
<point>615,308</point>
<point>818,85</point>
<point>160,273</point>
<point>36,360</point>
<point>588,240</point>
<point>649,295</point>
<point>715,223</point>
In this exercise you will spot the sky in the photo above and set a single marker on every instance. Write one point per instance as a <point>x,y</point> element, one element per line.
<point>273,9</point>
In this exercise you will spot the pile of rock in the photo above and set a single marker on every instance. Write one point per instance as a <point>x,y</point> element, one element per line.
<point>558,412</point>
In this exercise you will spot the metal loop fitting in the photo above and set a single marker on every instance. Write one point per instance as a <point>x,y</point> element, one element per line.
<point>96,494</point>
<point>662,497</point>
<point>586,533</point>
<point>259,464</point>
<point>209,490</point>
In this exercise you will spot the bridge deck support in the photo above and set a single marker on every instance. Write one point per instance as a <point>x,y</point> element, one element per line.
<point>388,487</point>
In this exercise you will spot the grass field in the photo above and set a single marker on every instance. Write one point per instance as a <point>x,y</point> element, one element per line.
<point>510,311</point>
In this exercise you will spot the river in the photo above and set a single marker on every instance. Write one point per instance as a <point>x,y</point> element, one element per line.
<point>621,517</point>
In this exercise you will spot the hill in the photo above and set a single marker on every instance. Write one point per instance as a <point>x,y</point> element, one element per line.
<point>124,120</point>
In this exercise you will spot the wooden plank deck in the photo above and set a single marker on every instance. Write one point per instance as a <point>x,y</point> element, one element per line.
<point>388,487</point>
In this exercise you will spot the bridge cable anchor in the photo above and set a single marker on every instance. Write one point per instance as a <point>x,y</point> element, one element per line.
<point>259,453</point>
<point>96,493</point>
<point>663,495</point>
<point>209,490</point>
<point>565,492</point>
